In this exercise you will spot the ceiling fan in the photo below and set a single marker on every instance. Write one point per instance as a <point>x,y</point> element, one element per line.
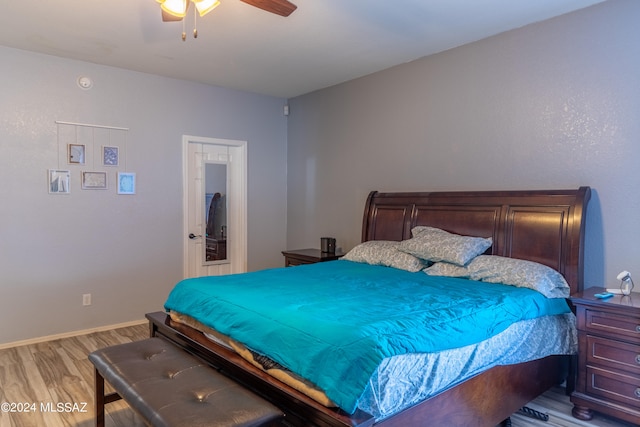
<point>175,10</point>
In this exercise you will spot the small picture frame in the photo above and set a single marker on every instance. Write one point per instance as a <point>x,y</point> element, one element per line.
<point>126,183</point>
<point>110,156</point>
<point>76,154</point>
<point>94,180</point>
<point>59,181</point>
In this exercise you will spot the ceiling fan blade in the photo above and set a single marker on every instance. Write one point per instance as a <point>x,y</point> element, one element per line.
<point>167,17</point>
<point>279,7</point>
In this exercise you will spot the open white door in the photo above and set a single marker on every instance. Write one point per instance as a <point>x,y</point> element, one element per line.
<point>215,218</point>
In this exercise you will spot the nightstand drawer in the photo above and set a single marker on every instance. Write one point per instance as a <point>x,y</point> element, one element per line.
<point>608,370</point>
<point>292,262</point>
<point>614,325</point>
<point>624,389</point>
<point>613,354</point>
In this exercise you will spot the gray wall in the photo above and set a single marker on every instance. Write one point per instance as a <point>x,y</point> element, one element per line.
<point>551,105</point>
<point>124,250</point>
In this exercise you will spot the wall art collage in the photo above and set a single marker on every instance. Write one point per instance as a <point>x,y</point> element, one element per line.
<point>90,157</point>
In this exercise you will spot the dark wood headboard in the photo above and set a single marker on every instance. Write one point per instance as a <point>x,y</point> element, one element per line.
<point>545,226</point>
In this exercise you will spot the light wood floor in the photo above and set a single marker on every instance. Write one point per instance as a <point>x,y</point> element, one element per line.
<point>51,384</point>
<point>40,377</point>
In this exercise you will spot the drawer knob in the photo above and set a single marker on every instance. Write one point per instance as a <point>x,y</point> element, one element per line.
<point>637,392</point>
<point>638,359</point>
<point>638,328</point>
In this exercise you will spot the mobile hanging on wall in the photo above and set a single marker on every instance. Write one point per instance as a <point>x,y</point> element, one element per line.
<point>91,154</point>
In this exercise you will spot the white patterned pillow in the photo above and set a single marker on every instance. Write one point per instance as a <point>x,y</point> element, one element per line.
<point>519,272</point>
<point>447,269</point>
<point>384,252</point>
<point>434,244</point>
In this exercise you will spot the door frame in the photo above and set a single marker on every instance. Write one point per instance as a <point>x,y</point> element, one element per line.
<point>237,185</point>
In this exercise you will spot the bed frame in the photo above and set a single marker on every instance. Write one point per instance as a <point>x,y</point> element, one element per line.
<point>542,226</point>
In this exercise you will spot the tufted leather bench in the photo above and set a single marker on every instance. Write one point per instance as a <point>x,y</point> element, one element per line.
<point>169,387</point>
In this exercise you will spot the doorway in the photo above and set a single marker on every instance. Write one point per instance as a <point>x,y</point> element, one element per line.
<point>214,211</point>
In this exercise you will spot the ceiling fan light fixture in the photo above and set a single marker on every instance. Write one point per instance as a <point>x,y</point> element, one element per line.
<point>177,8</point>
<point>206,6</point>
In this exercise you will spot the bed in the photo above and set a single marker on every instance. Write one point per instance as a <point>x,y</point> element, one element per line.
<point>546,227</point>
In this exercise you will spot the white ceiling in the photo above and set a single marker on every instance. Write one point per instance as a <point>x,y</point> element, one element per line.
<point>324,42</point>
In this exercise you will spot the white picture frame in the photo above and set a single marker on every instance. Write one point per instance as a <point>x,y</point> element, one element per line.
<point>94,180</point>
<point>76,154</point>
<point>59,181</point>
<point>126,183</point>
<point>110,155</point>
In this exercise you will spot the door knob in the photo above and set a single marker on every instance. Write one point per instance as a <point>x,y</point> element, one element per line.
<point>193,236</point>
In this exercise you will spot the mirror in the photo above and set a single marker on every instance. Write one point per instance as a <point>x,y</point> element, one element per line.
<point>215,193</point>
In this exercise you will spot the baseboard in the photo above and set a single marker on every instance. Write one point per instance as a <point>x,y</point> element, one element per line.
<point>72,334</point>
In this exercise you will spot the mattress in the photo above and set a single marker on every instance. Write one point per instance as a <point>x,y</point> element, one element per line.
<point>403,381</point>
<point>259,361</point>
<point>377,314</point>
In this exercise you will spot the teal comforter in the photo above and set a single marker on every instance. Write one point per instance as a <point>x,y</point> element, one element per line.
<point>334,322</point>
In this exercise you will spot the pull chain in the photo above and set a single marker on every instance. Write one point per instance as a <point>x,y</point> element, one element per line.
<point>195,23</point>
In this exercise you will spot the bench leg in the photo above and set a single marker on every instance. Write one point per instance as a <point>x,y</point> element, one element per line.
<point>99,399</point>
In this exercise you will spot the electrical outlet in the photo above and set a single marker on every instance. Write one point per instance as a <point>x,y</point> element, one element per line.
<point>86,299</point>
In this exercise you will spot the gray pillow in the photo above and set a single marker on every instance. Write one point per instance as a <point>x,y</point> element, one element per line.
<point>384,252</point>
<point>435,245</point>
<point>519,272</point>
<point>447,269</point>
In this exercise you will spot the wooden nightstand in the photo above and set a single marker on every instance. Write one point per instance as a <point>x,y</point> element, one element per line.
<point>608,357</point>
<point>308,256</point>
